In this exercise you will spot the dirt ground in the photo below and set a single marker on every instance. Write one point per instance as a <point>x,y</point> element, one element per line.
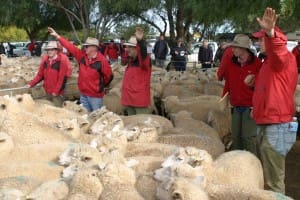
<point>293,172</point>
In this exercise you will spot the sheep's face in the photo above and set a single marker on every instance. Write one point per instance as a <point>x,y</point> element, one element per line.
<point>109,122</point>
<point>87,181</point>
<point>141,132</point>
<point>82,153</point>
<point>163,174</point>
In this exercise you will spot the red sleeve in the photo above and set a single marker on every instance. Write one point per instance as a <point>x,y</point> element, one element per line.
<point>77,53</point>
<point>106,70</point>
<point>141,48</point>
<point>40,75</point>
<point>64,61</point>
<point>276,50</point>
<point>226,59</point>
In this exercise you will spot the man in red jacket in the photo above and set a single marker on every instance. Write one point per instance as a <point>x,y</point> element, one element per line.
<point>112,52</point>
<point>273,101</point>
<point>238,63</point>
<point>136,81</point>
<point>94,71</point>
<point>53,71</point>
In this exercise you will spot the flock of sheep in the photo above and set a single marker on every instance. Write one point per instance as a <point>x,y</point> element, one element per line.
<point>176,153</point>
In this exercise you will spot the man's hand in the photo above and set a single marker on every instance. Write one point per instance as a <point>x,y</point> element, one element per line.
<point>53,32</point>
<point>268,21</point>
<point>55,95</point>
<point>139,33</point>
<point>250,80</point>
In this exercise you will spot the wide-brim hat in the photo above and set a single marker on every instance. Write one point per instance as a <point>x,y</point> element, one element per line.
<point>241,40</point>
<point>51,45</point>
<point>131,42</point>
<point>91,42</point>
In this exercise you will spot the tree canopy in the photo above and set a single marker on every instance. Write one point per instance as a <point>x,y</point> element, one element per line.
<point>104,18</point>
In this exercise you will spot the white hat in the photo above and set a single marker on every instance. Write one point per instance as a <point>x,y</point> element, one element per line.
<point>91,42</point>
<point>51,45</point>
<point>241,40</point>
<point>131,42</point>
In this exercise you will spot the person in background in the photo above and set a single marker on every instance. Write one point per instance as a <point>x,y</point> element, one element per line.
<point>31,46</point>
<point>2,51</point>
<point>10,49</point>
<point>205,55</point>
<point>234,68</point>
<point>161,51</point>
<point>136,81</point>
<point>273,101</point>
<point>179,53</point>
<point>123,52</point>
<point>95,72</point>
<point>2,48</point>
<point>296,52</point>
<point>219,53</point>
<point>53,73</point>
<point>37,50</point>
<point>112,52</point>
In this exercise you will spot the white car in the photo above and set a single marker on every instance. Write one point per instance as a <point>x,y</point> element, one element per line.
<point>21,49</point>
<point>193,57</point>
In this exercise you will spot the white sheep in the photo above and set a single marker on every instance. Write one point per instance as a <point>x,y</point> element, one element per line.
<point>150,149</point>
<point>51,190</point>
<point>85,183</point>
<point>181,189</point>
<point>199,106</point>
<point>6,145</point>
<point>118,181</point>
<point>24,184</point>
<point>162,124</point>
<point>141,132</point>
<point>238,169</point>
<point>11,194</point>
<point>184,120</point>
<point>108,122</point>
<point>212,145</point>
<point>77,157</point>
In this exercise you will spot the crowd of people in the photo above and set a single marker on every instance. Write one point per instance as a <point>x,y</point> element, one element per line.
<point>261,89</point>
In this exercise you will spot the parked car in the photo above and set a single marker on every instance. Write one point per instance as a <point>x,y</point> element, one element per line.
<point>193,57</point>
<point>21,49</point>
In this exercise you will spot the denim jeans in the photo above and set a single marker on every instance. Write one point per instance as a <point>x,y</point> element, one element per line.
<point>274,142</point>
<point>91,103</point>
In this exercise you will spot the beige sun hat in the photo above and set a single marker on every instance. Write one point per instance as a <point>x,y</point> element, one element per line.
<point>131,42</point>
<point>52,45</point>
<point>241,40</point>
<point>91,42</point>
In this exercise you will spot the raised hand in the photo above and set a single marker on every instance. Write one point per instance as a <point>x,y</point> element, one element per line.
<point>139,33</point>
<point>268,21</point>
<point>52,32</point>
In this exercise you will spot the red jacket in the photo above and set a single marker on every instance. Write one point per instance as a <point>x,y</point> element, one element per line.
<point>234,75</point>
<point>136,81</point>
<point>296,52</point>
<point>53,74</point>
<point>112,51</point>
<point>93,74</point>
<point>273,99</point>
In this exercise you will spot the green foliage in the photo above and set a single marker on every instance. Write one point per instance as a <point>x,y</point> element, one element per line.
<point>12,33</point>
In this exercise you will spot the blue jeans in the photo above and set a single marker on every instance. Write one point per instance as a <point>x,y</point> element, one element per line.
<point>274,142</point>
<point>91,103</point>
